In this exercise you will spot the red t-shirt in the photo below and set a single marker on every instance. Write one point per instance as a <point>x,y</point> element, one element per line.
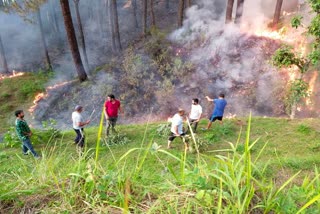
<point>112,108</point>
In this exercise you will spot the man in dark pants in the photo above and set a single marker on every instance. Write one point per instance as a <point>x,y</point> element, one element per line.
<point>111,108</point>
<point>177,129</point>
<point>78,125</point>
<point>195,114</point>
<point>24,134</point>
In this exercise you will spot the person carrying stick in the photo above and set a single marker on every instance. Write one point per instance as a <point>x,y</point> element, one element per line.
<point>78,126</point>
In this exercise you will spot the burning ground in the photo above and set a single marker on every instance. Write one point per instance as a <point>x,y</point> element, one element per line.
<point>238,68</point>
<point>204,57</point>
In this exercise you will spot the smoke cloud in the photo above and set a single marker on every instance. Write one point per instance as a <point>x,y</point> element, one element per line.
<point>229,58</point>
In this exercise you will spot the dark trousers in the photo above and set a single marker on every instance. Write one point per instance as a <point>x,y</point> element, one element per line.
<point>79,140</point>
<point>111,122</point>
<point>194,124</point>
<point>172,136</point>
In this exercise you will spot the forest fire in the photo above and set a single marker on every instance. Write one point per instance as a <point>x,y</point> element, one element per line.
<point>38,97</point>
<point>58,85</point>
<point>14,74</point>
<point>43,95</point>
<point>276,35</point>
<point>311,88</point>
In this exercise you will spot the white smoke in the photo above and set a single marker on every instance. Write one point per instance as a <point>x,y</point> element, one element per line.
<point>229,58</point>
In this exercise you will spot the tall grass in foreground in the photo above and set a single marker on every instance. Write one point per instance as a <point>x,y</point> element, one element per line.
<point>149,179</point>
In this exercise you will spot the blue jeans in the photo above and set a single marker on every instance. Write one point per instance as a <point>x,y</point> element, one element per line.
<point>26,145</point>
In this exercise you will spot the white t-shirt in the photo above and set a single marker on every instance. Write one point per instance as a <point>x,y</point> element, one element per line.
<point>76,118</point>
<point>196,111</point>
<point>176,120</point>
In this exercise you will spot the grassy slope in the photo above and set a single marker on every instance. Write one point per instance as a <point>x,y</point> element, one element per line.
<point>293,145</point>
<point>18,93</point>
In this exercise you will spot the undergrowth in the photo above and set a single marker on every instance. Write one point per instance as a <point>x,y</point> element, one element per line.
<point>145,178</point>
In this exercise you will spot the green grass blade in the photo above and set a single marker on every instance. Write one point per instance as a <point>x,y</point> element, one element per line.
<point>99,136</point>
<point>316,198</point>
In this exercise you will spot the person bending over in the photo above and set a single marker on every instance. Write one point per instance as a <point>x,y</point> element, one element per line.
<point>177,129</point>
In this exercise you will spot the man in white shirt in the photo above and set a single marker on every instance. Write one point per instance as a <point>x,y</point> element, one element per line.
<point>177,128</point>
<point>78,125</point>
<point>195,114</point>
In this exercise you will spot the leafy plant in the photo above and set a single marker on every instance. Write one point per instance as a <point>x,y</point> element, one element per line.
<point>49,126</point>
<point>287,57</point>
<point>163,129</point>
<point>10,138</point>
<point>296,21</point>
<point>304,129</point>
<point>117,139</point>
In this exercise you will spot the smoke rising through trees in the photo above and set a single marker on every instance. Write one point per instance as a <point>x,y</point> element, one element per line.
<point>227,58</point>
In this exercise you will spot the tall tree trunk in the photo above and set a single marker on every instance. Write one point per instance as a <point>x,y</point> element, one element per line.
<point>54,17</point>
<point>229,11</point>
<point>116,24</point>
<point>72,40</point>
<point>188,3</point>
<point>3,58</point>
<point>82,39</point>
<point>144,16</point>
<point>111,22</point>
<point>43,40</point>
<point>293,110</point>
<point>100,18</point>
<point>180,12</point>
<point>153,18</point>
<point>90,11</point>
<point>277,13</point>
<point>134,7</point>
<point>239,11</point>
<point>167,4</point>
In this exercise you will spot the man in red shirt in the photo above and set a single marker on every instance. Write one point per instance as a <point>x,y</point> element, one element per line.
<point>111,109</point>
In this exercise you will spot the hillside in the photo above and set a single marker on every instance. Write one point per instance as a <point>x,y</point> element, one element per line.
<point>258,161</point>
<point>136,172</point>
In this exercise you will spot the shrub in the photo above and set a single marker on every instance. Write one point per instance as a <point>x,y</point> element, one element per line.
<point>304,129</point>
<point>163,129</point>
<point>10,138</point>
<point>117,139</point>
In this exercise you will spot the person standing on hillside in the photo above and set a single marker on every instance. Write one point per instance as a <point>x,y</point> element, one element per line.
<point>177,129</point>
<point>195,114</point>
<point>112,107</point>
<point>218,111</point>
<point>78,124</point>
<point>24,133</point>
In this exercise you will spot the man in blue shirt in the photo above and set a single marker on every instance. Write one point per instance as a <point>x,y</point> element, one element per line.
<point>219,105</point>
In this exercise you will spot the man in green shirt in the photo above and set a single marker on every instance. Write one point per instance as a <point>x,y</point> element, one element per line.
<point>24,133</point>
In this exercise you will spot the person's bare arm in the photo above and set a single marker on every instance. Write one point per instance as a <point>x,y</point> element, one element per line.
<point>209,99</point>
<point>83,123</point>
